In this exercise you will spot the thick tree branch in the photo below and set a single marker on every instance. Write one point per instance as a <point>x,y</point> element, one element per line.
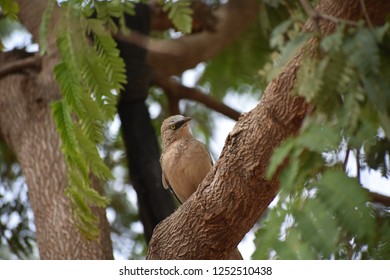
<point>177,91</point>
<point>235,193</point>
<point>172,57</point>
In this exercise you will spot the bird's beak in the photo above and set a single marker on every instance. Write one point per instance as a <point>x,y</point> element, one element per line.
<point>186,119</point>
<point>183,121</point>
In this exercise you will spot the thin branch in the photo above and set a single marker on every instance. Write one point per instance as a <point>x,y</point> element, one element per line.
<point>363,4</point>
<point>346,159</point>
<point>316,16</point>
<point>177,91</point>
<point>337,20</point>
<point>20,65</point>
<point>379,198</point>
<point>312,13</point>
<point>358,164</point>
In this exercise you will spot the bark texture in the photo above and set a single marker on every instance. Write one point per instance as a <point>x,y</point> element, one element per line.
<point>235,194</point>
<point>27,126</point>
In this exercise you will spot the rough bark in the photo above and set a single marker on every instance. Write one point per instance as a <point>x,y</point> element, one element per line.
<point>27,126</point>
<point>235,193</point>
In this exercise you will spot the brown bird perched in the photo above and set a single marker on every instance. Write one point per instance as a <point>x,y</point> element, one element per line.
<point>184,161</point>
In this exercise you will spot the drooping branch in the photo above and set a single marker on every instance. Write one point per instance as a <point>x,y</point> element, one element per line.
<point>211,223</point>
<point>177,91</point>
<point>366,16</point>
<point>174,56</point>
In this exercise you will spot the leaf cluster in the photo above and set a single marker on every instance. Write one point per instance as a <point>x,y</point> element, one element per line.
<point>9,8</point>
<point>180,13</point>
<point>8,20</point>
<point>237,67</point>
<point>323,212</point>
<point>90,75</point>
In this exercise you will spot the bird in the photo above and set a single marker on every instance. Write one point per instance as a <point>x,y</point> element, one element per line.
<point>184,160</point>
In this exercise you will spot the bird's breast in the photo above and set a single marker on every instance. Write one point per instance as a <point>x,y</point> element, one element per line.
<point>185,165</point>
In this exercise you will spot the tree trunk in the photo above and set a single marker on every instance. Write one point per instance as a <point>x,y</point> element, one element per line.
<point>143,155</point>
<point>27,126</point>
<point>235,193</point>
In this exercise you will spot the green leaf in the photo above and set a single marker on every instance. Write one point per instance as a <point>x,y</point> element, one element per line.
<point>345,197</point>
<point>292,48</point>
<point>333,42</point>
<point>70,87</point>
<point>62,117</point>
<point>362,50</point>
<point>294,248</point>
<point>279,155</point>
<point>180,13</point>
<point>317,227</point>
<point>107,51</point>
<point>88,77</point>
<point>46,17</point>
<point>319,138</point>
<point>92,156</point>
<point>268,234</point>
<point>9,8</point>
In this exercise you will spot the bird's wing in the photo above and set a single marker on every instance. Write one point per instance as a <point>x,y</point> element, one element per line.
<point>164,178</point>
<point>165,181</point>
<point>168,186</point>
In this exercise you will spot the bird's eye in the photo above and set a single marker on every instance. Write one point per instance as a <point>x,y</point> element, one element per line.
<point>173,127</point>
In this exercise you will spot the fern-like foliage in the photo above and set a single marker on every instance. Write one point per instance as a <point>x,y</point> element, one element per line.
<point>322,212</point>
<point>90,75</point>
<point>9,8</point>
<point>180,13</point>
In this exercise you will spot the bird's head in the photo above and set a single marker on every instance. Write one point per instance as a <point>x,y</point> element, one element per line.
<point>173,128</point>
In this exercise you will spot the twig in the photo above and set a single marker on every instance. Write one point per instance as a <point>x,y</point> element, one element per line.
<point>363,4</point>
<point>346,159</point>
<point>20,65</point>
<point>379,198</point>
<point>337,20</point>
<point>312,13</point>
<point>358,164</point>
<point>316,16</point>
<point>177,91</point>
